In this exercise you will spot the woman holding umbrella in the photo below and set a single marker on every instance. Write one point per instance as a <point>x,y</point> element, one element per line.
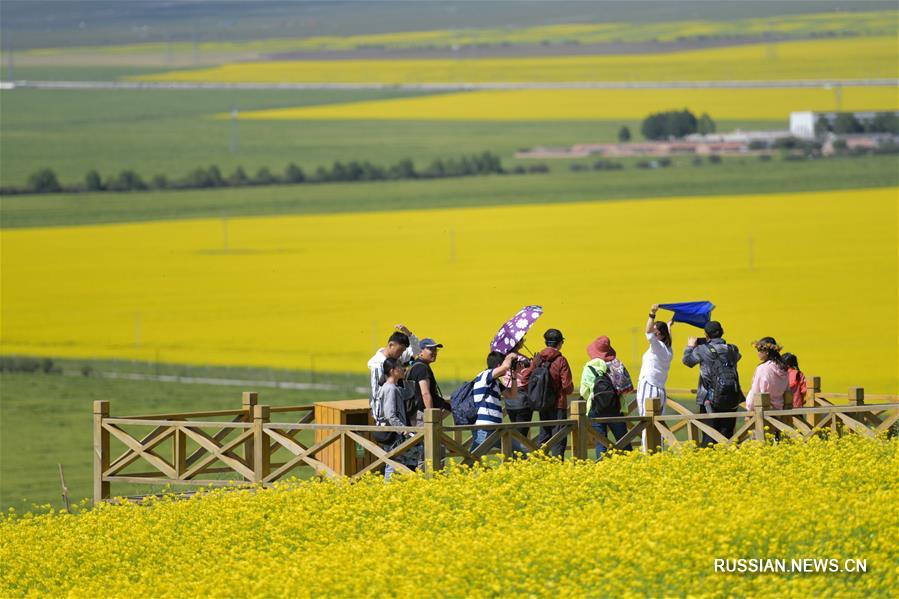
<point>515,395</point>
<point>510,339</point>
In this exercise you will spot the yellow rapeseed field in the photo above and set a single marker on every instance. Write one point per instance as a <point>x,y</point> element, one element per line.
<point>624,527</point>
<point>863,57</point>
<point>815,270</point>
<point>595,104</point>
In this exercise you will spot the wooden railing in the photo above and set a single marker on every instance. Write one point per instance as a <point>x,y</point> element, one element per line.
<point>245,446</point>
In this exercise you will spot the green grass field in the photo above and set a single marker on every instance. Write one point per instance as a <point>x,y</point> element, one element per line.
<point>39,24</point>
<point>22,72</point>
<point>75,131</point>
<point>731,177</point>
<point>45,419</point>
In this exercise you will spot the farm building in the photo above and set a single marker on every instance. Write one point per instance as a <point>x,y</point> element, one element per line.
<point>802,124</point>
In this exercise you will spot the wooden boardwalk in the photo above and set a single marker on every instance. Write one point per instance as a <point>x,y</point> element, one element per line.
<point>259,444</point>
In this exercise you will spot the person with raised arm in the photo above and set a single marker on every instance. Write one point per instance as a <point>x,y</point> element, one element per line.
<point>656,363</point>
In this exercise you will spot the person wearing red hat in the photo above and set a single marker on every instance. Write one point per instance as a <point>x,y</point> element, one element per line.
<point>604,361</point>
<point>602,348</point>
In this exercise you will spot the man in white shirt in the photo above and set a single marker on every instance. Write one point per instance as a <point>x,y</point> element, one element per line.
<point>402,346</point>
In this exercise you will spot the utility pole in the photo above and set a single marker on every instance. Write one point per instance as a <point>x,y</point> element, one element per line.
<point>235,134</point>
<point>169,58</point>
<point>225,234</point>
<point>634,338</point>
<point>137,329</point>
<point>452,246</point>
<point>9,63</point>
<point>751,254</point>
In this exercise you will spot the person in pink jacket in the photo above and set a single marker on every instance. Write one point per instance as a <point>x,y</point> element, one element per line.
<point>798,384</point>
<point>770,375</point>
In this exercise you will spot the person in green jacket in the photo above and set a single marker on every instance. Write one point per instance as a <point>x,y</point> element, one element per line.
<point>594,368</point>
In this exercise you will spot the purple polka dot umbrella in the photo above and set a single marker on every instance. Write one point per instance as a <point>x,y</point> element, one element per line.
<point>515,329</point>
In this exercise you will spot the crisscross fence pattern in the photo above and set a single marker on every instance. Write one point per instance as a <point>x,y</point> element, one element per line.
<point>261,445</point>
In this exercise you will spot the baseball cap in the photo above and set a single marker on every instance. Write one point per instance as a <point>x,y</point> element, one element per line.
<point>427,343</point>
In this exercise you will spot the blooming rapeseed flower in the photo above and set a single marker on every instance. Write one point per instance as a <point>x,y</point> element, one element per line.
<point>632,525</point>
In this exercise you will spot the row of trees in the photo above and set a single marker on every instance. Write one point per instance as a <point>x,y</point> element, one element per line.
<point>46,181</point>
<point>847,123</point>
<point>673,124</point>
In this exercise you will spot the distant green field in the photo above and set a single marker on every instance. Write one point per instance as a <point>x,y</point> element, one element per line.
<point>72,73</point>
<point>571,34</point>
<point>74,131</point>
<point>732,177</point>
<point>169,132</point>
<point>38,24</point>
<point>45,420</point>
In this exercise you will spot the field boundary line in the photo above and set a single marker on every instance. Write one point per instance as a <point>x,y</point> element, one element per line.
<point>449,86</point>
<point>202,380</point>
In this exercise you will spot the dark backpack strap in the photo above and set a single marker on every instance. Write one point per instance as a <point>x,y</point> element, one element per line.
<point>733,353</point>
<point>714,355</point>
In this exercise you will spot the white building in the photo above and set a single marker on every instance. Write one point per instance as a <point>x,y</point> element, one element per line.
<point>802,124</point>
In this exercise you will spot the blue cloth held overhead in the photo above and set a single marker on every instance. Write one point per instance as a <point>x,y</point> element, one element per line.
<point>695,313</point>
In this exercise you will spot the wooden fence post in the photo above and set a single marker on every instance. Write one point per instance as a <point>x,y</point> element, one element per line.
<point>856,397</point>
<point>505,444</point>
<point>813,389</point>
<point>762,403</point>
<point>579,433</point>
<point>101,451</point>
<point>179,451</point>
<point>249,400</point>
<point>261,447</point>
<point>433,427</point>
<point>653,436</point>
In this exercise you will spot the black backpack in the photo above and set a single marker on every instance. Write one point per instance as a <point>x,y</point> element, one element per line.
<point>605,397</point>
<point>412,393</point>
<point>462,402</point>
<point>724,381</point>
<point>542,390</point>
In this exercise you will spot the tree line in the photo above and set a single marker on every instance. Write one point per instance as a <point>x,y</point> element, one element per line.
<point>680,123</point>
<point>485,163</point>
<point>675,123</point>
<point>846,123</point>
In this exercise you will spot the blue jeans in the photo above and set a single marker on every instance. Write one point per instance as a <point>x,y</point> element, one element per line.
<point>388,469</point>
<point>480,435</point>
<point>619,429</point>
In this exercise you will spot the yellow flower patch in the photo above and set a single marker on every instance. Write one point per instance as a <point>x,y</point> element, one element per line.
<point>628,526</point>
<point>594,104</point>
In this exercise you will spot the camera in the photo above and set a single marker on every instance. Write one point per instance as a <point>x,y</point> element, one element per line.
<point>521,360</point>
